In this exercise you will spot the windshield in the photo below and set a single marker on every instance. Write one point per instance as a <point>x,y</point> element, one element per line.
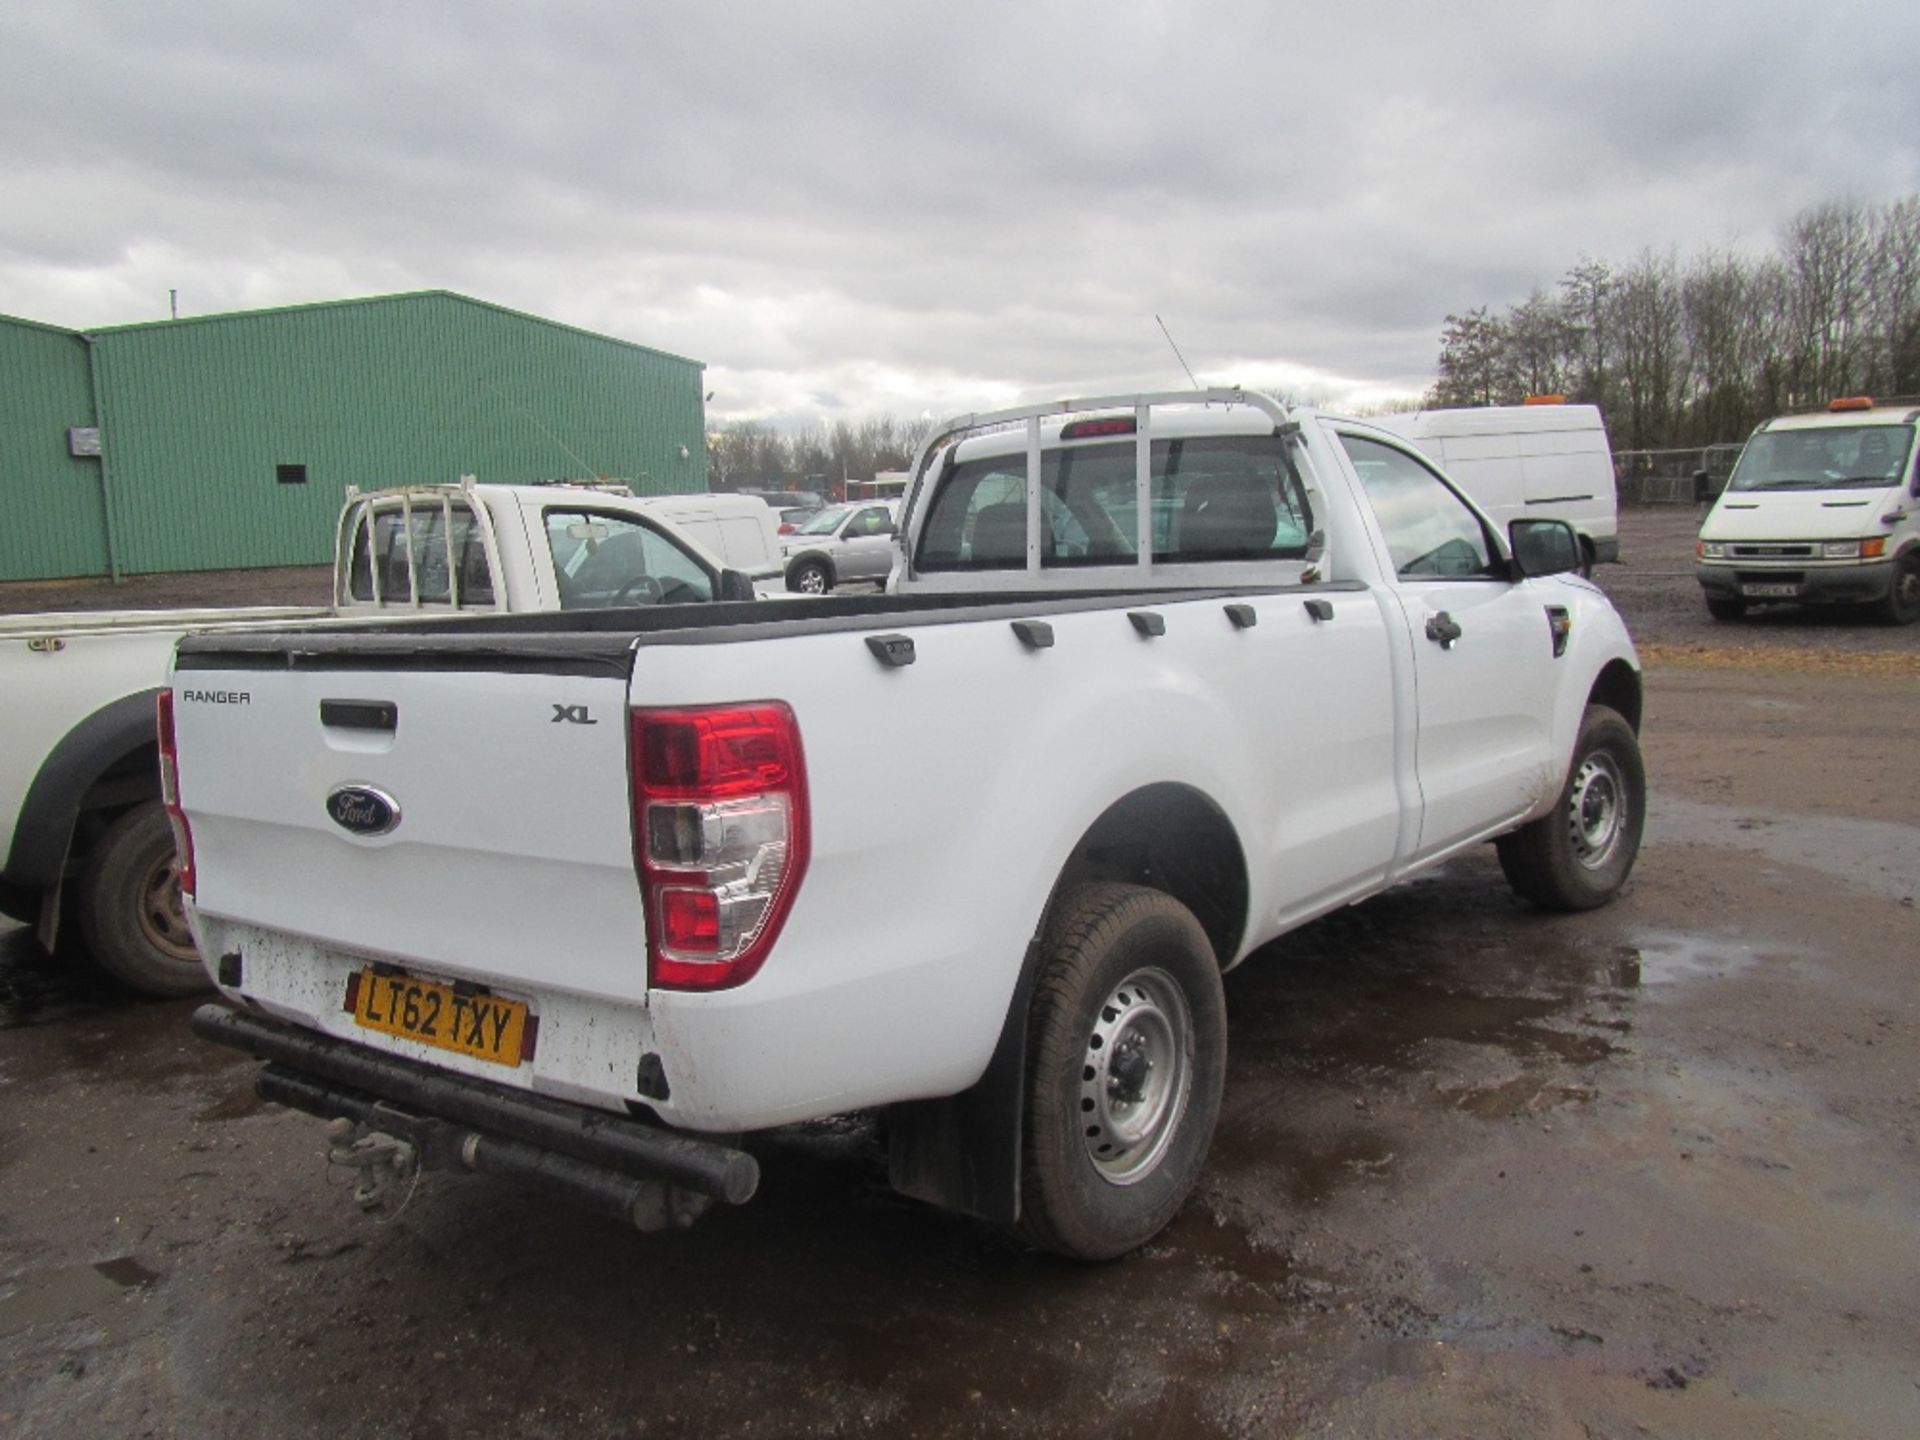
<point>825,522</point>
<point>1826,457</point>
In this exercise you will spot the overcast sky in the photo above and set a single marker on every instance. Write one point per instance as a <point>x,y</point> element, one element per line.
<point>846,209</point>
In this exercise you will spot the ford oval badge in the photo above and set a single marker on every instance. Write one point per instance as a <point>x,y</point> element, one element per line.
<point>362,809</point>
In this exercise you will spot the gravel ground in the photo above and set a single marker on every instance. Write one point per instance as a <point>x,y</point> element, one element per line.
<point>1482,1171</point>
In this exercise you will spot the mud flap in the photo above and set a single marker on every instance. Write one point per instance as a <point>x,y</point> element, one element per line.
<point>962,1152</point>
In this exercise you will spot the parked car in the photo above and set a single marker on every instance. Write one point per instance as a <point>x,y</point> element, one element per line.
<point>583,900</point>
<point>1822,509</point>
<point>839,544</point>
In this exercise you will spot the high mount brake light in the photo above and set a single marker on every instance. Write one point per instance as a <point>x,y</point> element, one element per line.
<point>720,836</point>
<point>170,788</point>
<point>1087,429</point>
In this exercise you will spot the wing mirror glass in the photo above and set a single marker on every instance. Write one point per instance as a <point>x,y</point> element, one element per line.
<point>734,585</point>
<point>1543,547</point>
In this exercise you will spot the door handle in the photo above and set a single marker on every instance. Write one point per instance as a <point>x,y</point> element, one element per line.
<point>1443,628</point>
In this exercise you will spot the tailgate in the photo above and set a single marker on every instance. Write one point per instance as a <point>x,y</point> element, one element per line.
<point>502,769</point>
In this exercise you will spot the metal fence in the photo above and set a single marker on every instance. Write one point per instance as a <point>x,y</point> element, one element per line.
<point>1667,477</point>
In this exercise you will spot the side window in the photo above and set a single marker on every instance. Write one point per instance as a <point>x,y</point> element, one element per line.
<point>872,521</point>
<point>602,560</point>
<point>1430,531</point>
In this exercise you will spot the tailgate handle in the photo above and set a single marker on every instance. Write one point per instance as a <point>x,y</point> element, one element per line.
<point>360,714</point>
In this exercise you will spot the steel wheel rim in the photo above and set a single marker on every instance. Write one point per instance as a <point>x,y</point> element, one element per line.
<point>162,915</point>
<point>1597,810</point>
<point>1136,1076</point>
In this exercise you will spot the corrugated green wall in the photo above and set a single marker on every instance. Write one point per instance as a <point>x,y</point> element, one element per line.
<point>198,415</point>
<point>52,521</point>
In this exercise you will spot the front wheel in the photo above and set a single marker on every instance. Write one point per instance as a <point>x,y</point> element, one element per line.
<point>1902,605</point>
<point>1126,1056</point>
<point>130,909</point>
<point>1579,854</point>
<point>810,577</point>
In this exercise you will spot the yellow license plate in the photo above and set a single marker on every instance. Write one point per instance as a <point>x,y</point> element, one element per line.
<point>484,1026</point>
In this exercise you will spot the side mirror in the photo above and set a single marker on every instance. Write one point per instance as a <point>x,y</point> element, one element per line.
<point>1702,487</point>
<point>734,585</point>
<point>1543,547</point>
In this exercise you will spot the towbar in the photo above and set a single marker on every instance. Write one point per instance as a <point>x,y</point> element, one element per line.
<point>610,1142</point>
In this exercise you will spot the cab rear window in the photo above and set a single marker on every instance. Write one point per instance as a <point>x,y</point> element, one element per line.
<point>1212,498</point>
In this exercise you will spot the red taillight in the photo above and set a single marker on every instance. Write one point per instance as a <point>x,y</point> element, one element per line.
<point>1087,429</point>
<point>170,788</point>
<point>787,527</point>
<point>720,837</point>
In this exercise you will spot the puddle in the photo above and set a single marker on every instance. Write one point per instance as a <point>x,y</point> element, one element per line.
<point>72,1293</point>
<point>1667,957</point>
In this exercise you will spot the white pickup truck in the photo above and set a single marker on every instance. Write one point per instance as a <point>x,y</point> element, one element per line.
<point>1159,678</point>
<point>81,828</point>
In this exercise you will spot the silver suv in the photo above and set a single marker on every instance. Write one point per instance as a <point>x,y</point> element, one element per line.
<point>841,543</point>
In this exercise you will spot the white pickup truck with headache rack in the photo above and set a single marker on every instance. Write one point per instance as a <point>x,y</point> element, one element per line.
<point>81,828</point>
<point>587,898</point>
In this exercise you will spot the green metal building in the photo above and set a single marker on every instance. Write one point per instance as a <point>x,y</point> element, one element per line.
<point>227,441</point>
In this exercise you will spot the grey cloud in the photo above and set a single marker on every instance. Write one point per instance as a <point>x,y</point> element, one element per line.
<point>828,202</point>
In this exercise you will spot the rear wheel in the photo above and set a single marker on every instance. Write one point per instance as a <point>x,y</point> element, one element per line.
<point>130,909</point>
<point>1902,605</point>
<point>1722,607</point>
<point>1126,1056</point>
<point>1579,854</point>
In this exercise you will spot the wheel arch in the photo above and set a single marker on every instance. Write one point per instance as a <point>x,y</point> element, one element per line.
<point>1618,687</point>
<point>963,1152</point>
<point>110,759</point>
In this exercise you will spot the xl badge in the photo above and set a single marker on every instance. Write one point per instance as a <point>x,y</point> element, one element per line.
<point>363,809</point>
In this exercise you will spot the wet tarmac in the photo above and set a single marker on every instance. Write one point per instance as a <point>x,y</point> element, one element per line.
<point>1481,1171</point>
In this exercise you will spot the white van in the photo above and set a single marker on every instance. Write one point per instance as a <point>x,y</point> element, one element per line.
<point>742,532</point>
<point>1544,460</point>
<point>1822,509</point>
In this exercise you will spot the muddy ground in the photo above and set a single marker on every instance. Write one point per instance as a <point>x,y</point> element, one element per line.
<point>1482,1172</point>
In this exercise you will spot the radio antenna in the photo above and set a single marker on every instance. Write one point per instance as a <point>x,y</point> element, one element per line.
<point>1176,351</point>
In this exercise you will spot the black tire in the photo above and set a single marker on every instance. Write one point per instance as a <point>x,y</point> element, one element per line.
<point>1722,607</point>
<point>1578,855</point>
<point>1587,556</point>
<point>129,907</point>
<point>1126,1055</point>
<point>1902,605</point>
<point>810,577</point>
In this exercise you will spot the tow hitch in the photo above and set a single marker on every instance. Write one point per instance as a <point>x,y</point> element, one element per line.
<point>390,1118</point>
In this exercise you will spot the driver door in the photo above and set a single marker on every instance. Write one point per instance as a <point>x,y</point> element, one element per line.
<point>1482,651</point>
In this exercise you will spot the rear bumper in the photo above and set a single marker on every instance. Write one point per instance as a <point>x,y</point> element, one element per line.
<point>1832,584</point>
<point>607,1162</point>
